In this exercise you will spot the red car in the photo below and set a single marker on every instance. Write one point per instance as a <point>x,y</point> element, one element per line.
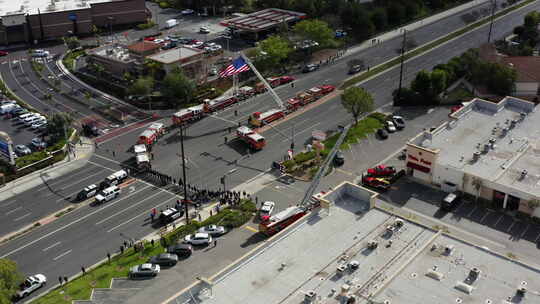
<point>3,53</point>
<point>376,183</point>
<point>149,38</point>
<point>381,170</point>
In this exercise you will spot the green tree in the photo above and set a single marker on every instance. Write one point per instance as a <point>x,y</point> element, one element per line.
<point>500,78</point>
<point>72,42</point>
<point>357,101</point>
<point>177,87</point>
<point>315,30</point>
<point>439,80</point>
<point>276,49</point>
<point>397,13</point>
<point>153,67</point>
<point>10,278</point>
<point>422,83</point>
<point>532,19</point>
<point>379,18</point>
<point>59,125</point>
<point>143,86</point>
<point>412,9</point>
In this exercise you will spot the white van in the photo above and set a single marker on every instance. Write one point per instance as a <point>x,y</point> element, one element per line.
<point>32,119</point>
<point>24,116</point>
<point>107,194</point>
<point>171,23</point>
<point>7,108</point>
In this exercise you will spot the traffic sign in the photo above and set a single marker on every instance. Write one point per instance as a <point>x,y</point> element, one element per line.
<point>72,16</point>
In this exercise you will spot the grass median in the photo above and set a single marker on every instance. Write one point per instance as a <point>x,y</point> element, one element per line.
<point>81,287</point>
<point>396,61</point>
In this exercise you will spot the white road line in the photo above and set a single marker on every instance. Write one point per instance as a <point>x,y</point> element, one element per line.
<point>485,215</point>
<point>144,213</point>
<point>310,128</point>
<point>524,231</point>
<point>497,222</point>
<point>60,181</point>
<point>132,206</point>
<point>55,244</point>
<point>61,199</point>
<point>472,211</point>
<point>13,210</point>
<point>512,225</point>
<point>68,225</point>
<point>9,203</point>
<point>20,218</point>
<point>63,254</point>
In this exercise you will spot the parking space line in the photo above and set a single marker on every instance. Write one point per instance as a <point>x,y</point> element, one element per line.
<point>497,222</point>
<point>484,217</point>
<point>511,225</point>
<point>537,237</point>
<point>472,211</point>
<point>21,217</point>
<point>63,254</point>
<point>13,210</point>
<point>524,231</point>
<point>144,213</point>
<point>251,228</point>
<point>459,207</point>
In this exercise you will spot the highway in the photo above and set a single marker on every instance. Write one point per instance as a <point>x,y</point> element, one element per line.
<point>85,235</point>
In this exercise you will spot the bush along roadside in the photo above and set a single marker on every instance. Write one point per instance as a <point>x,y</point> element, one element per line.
<point>100,276</point>
<point>305,164</point>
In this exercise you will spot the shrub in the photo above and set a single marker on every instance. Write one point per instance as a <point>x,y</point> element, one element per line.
<point>30,159</point>
<point>289,164</point>
<point>248,206</point>
<point>378,116</point>
<point>164,4</point>
<point>304,156</point>
<point>235,218</point>
<point>147,25</point>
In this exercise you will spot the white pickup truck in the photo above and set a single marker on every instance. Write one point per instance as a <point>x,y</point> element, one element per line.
<point>31,284</point>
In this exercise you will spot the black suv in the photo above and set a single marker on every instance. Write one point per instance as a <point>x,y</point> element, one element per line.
<point>181,250</point>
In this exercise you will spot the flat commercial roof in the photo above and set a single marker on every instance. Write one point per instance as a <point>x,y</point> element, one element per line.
<point>313,257</point>
<point>175,55</point>
<point>262,20</point>
<point>11,7</point>
<point>514,150</point>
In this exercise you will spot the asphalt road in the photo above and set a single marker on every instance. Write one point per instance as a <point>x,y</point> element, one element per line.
<point>85,235</point>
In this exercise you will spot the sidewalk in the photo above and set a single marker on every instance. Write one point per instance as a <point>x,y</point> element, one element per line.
<point>82,153</point>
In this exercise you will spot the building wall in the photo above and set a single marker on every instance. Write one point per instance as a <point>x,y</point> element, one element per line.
<point>526,88</point>
<point>443,174</point>
<point>421,157</point>
<point>123,12</point>
<point>115,67</point>
<point>57,24</point>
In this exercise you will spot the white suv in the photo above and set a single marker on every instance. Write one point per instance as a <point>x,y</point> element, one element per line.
<point>107,194</point>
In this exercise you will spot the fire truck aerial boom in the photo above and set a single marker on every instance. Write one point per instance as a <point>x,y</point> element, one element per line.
<point>263,80</point>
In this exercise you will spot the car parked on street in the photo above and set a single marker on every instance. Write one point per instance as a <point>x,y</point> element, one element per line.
<point>310,68</point>
<point>40,53</point>
<point>38,143</point>
<point>399,122</point>
<point>198,239</point>
<point>181,250</point>
<point>164,259</point>
<point>3,53</point>
<point>87,192</point>
<point>187,11</point>
<point>22,150</point>
<point>213,230</point>
<point>382,133</point>
<point>144,270</point>
<point>355,69</point>
<point>204,30</point>
<point>339,159</point>
<point>390,127</point>
<point>31,284</point>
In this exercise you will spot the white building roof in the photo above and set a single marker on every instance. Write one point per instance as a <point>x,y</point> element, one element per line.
<point>12,7</point>
<point>174,55</point>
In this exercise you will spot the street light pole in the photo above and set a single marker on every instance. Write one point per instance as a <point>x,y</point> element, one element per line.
<point>184,173</point>
<point>493,6</point>
<point>401,64</point>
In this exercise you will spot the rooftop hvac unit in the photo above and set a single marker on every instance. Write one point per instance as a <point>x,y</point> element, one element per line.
<point>522,115</point>
<point>521,291</point>
<point>504,131</point>
<point>309,296</point>
<point>372,244</point>
<point>486,148</point>
<point>448,249</point>
<point>474,273</point>
<point>434,274</point>
<point>523,173</point>
<point>513,123</point>
<point>464,287</point>
<point>341,268</point>
<point>492,141</point>
<point>476,156</point>
<point>494,130</point>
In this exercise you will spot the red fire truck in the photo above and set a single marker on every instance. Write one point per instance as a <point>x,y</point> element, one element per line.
<point>254,140</point>
<point>273,82</point>
<point>159,128</point>
<point>148,137</point>
<point>259,119</point>
<point>188,115</point>
<point>219,103</point>
<point>281,220</point>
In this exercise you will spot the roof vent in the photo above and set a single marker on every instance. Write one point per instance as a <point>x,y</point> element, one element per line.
<point>494,130</point>
<point>521,291</point>
<point>504,131</point>
<point>476,156</point>
<point>434,274</point>
<point>523,173</point>
<point>486,148</point>
<point>513,123</point>
<point>466,288</point>
<point>492,141</point>
<point>522,115</point>
<point>309,296</point>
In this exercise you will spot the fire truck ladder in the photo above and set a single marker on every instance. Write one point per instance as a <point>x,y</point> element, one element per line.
<point>317,178</point>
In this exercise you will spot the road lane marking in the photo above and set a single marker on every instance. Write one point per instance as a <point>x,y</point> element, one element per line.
<point>251,228</point>
<point>13,210</point>
<point>125,209</point>
<point>67,225</point>
<point>54,181</point>
<point>144,213</point>
<point>55,244</point>
<point>20,218</point>
<point>63,254</point>
<point>9,203</point>
<point>511,225</point>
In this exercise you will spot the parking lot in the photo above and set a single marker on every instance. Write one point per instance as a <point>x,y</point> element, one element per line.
<point>510,232</point>
<point>20,134</point>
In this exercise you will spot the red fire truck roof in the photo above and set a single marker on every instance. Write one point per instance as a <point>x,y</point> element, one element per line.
<point>286,213</point>
<point>269,113</point>
<point>147,133</point>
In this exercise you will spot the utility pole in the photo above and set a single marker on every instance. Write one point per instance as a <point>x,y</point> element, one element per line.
<point>493,7</point>
<point>292,139</point>
<point>184,173</point>
<point>401,64</point>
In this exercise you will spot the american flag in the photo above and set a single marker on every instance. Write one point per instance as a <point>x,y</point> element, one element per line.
<point>238,65</point>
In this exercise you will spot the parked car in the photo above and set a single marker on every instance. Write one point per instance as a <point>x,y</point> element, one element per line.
<point>108,194</point>
<point>382,133</point>
<point>37,124</point>
<point>355,69</point>
<point>266,210</point>
<point>390,127</point>
<point>187,11</point>
<point>398,121</point>
<point>213,230</point>
<point>38,143</point>
<point>310,68</point>
<point>40,53</point>
<point>164,259</point>
<point>204,30</point>
<point>339,159</point>
<point>213,71</point>
<point>31,284</point>
<point>22,150</point>
<point>144,270</point>
<point>151,38</point>
<point>3,53</point>
<point>450,201</point>
<point>87,192</point>
<point>181,250</point>
<point>198,239</point>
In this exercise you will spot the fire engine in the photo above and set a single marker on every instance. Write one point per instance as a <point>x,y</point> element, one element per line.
<point>308,96</point>
<point>148,137</point>
<point>259,119</point>
<point>219,103</point>
<point>281,220</point>
<point>159,128</point>
<point>188,115</point>
<point>254,140</point>
<point>273,82</point>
